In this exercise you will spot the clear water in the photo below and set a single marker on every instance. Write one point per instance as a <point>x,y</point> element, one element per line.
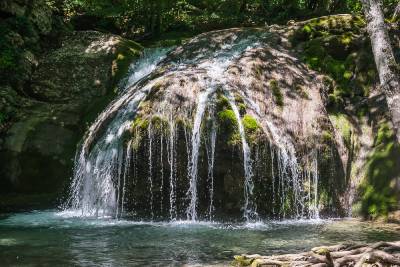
<point>60,239</point>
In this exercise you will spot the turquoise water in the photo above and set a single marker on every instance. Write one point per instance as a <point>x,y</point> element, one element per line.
<point>50,238</point>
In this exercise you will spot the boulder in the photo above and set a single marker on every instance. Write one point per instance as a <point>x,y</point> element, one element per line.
<point>70,85</point>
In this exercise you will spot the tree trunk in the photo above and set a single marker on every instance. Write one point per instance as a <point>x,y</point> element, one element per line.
<point>384,59</point>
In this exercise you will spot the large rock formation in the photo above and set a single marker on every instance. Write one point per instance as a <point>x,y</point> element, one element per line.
<point>70,85</point>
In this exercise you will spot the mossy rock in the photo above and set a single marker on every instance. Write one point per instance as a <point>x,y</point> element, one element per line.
<point>341,53</point>
<point>96,61</point>
<point>252,128</point>
<point>324,26</point>
<point>229,125</point>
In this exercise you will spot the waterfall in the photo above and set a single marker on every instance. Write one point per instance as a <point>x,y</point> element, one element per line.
<point>150,175</point>
<point>146,65</point>
<point>92,190</point>
<point>210,146</point>
<point>196,138</point>
<point>110,167</point>
<point>172,178</point>
<point>315,179</point>
<point>126,172</point>
<point>249,210</point>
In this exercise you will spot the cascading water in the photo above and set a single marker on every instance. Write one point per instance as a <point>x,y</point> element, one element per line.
<point>107,176</point>
<point>196,138</point>
<point>93,189</point>
<point>210,146</point>
<point>249,211</point>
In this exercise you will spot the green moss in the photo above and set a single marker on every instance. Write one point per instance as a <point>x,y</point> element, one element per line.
<point>250,124</point>
<point>378,191</point>
<point>183,122</point>
<point>222,102</point>
<point>228,118</point>
<point>140,123</point>
<point>139,128</point>
<point>330,24</point>
<point>276,92</point>
<point>159,124</point>
<point>346,38</point>
<point>242,260</point>
<point>333,45</point>
<point>307,29</point>
<point>344,126</point>
<point>242,109</point>
<point>347,74</point>
<point>239,99</point>
<point>322,251</point>
<point>302,93</point>
<point>258,72</point>
<point>251,127</point>
<point>385,134</point>
<point>327,137</point>
<point>227,122</point>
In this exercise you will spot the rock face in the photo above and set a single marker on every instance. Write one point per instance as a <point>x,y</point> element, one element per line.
<point>70,85</point>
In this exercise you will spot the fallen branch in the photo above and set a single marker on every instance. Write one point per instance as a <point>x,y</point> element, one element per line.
<point>377,254</point>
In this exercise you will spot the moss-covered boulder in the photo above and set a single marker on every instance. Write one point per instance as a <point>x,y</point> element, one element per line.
<point>69,87</point>
<point>338,47</point>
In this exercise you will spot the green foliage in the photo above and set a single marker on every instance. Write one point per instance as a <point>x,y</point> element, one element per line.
<point>378,191</point>
<point>3,118</point>
<point>155,17</point>
<point>16,34</point>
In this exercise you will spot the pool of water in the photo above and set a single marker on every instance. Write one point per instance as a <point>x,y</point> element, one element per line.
<point>50,238</point>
